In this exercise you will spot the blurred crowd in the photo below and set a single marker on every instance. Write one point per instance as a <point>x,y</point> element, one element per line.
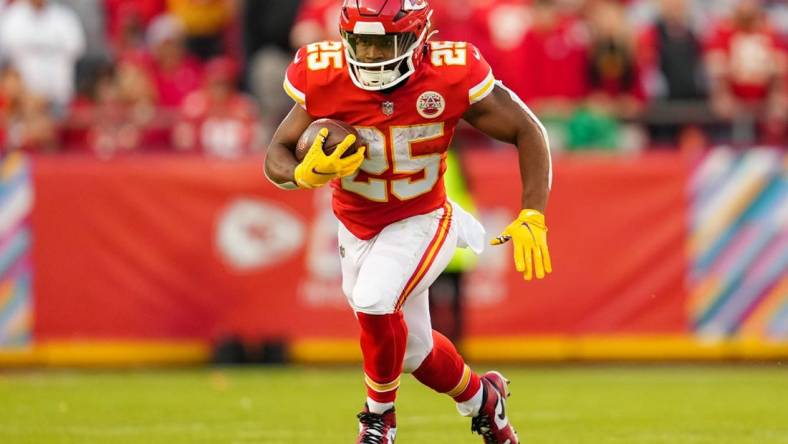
<point>116,76</point>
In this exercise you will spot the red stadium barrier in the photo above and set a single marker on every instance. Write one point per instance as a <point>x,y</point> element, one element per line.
<point>173,249</point>
<point>617,233</point>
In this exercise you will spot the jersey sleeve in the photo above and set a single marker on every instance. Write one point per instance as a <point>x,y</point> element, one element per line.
<point>295,78</point>
<point>480,76</point>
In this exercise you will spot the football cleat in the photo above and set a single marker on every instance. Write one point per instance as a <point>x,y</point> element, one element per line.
<point>377,429</point>
<point>492,423</point>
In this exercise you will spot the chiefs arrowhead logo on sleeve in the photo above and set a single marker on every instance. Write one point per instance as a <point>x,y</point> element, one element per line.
<point>430,105</point>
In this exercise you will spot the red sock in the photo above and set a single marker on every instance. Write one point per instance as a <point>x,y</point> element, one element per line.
<point>444,371</point>
<point>383,341</point>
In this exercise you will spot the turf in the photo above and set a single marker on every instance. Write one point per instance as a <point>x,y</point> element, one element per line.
<point>597,405</point>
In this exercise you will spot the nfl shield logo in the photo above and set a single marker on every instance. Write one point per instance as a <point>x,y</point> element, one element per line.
<point>388,108</point>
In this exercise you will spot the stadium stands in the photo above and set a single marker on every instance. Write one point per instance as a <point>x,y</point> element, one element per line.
<point>603,74</point>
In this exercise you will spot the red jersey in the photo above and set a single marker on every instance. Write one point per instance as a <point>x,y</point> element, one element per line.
<point>751,58</point>
<point>226,129</point>
<point>551,63</point>
<point>122,15</point>
<point>407,131</point>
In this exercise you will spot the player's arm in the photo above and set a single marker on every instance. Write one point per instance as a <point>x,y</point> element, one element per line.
<point>316,168</point>
<point>280,160</point>
<point>503,116</point>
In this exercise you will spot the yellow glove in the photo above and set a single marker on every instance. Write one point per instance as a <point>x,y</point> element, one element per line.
<point>529,234</point>
<point>317,169</point>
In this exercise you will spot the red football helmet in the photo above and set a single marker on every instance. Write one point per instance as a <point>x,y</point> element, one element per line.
<point>398,27</point>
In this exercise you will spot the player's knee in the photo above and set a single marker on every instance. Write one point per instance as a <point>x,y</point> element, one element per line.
<point>413,360</point>
<point>417,350</point>
<point>370,303</point>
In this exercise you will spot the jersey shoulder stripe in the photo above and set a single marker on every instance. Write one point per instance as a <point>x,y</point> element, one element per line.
<point>482,89</point>
<point>294,93</point>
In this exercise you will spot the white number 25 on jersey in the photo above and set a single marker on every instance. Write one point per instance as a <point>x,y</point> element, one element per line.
<point>404,162</point>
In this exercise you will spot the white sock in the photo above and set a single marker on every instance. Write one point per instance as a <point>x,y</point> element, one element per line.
<point>380,407</point>
<point>471,407</point>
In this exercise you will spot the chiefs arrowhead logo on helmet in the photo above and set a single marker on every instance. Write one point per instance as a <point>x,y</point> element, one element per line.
<point>414,5</point>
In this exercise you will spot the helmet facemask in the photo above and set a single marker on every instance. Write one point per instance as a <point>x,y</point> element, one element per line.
<point>396,50</point>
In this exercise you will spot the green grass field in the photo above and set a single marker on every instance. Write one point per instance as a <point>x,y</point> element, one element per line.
<point>577,405</point>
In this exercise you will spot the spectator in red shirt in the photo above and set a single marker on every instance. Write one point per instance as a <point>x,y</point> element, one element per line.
<point>317,20</point>
<point>127,20</point>
<point>218,120</point>
<point>498,29</point>
<point>118,115</point>
<point>549,71</point>
<point>174,71</point>
<point>747,67</point>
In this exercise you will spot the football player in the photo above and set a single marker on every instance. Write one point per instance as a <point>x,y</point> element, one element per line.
<point>405,93</point>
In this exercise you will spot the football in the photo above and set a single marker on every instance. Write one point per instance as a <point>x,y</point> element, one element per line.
<point>337,130</point>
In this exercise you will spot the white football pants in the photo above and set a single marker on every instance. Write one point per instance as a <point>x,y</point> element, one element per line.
<point>395,269</point>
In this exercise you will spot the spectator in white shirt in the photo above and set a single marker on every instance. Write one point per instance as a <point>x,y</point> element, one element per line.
<point>91,16</point>
<point>43,41</point>
<point>3,6</point>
